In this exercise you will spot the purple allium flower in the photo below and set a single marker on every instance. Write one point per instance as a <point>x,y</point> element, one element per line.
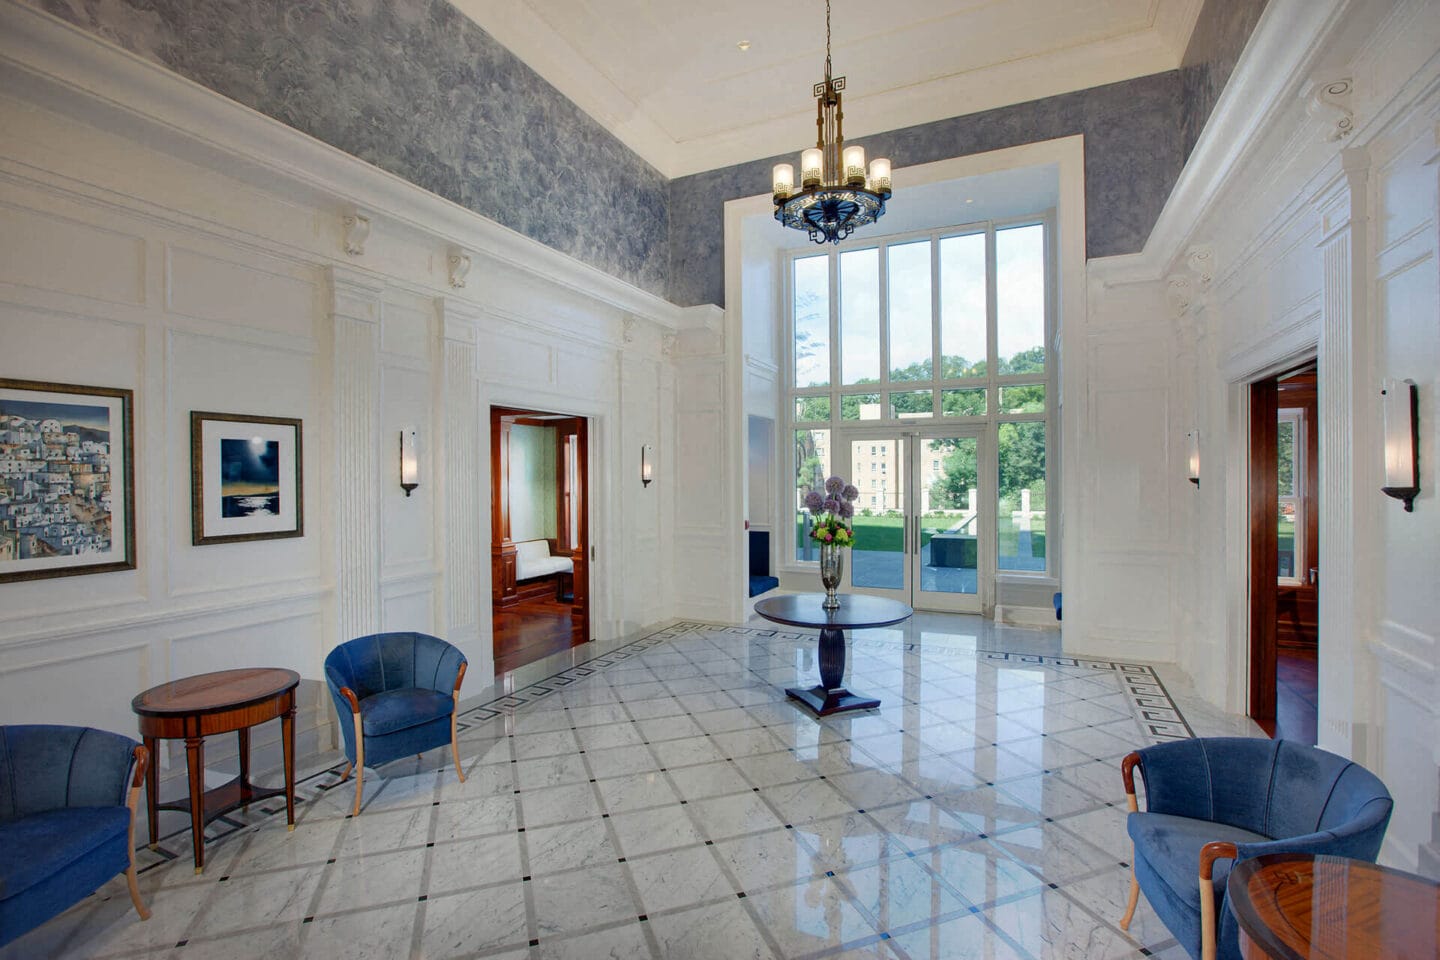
<point>832,505</point>
<point>850,492</point>
<point>814,501</point>
<point>834,485</point>
<point>847,509</point>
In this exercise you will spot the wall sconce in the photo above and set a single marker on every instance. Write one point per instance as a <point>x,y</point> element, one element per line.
<point>409,460</point>
<point>1193,470</point>
<point>1400,406</point>
<point>647,465</point>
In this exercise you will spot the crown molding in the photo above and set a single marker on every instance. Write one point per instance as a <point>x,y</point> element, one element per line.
<point>56,66</point>
<point>1267,81</point>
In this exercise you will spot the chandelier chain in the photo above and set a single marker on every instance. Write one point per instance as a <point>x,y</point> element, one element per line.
<point>827,41</point>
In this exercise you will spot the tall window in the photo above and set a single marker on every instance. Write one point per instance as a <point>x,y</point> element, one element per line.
<point>1290,450</point>
<point>950,326</point>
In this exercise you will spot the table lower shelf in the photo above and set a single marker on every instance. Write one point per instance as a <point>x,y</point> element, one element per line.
<point>224,798</point>
<point>827,701</point>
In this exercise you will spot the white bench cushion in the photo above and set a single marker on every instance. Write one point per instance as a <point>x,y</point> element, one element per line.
<point>533,559</point>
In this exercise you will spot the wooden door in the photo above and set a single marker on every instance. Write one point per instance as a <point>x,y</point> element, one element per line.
<point>1264,550</point>
<point>575,512</point>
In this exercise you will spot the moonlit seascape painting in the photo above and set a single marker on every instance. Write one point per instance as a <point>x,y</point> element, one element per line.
<point>249,477</point>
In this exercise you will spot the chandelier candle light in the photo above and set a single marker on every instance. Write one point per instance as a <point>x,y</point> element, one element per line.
<point>835,195</point>
<point>831,511</point>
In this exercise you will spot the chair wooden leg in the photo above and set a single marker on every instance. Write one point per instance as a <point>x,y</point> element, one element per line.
<point>1207,919</point>
<point>140,907</point>
<point>1212,851</point>
<point>359,765</point>
<point>1134,898</point>
<point>455,749</point>
<point>142,761</point>
<point>349,768</point>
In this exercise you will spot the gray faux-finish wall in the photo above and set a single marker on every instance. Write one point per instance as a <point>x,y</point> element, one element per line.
<point>417,89</point>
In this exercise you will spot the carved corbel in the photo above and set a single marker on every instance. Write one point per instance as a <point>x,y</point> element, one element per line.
<point>668,342</point>
<point>458,261</point>
<point>627,329</point>
<point>1179,291</point>
<point>357,230</point>
<point>1329,102</point>
<point>1200,261</point>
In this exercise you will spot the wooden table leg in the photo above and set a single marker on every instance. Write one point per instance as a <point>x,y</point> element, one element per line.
<point>195,761</point>
<point>152,791</point>
<point>244,735</point>
<point>287,737</point>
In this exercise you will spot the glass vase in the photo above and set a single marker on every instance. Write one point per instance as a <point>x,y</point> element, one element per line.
<point>832,568</point>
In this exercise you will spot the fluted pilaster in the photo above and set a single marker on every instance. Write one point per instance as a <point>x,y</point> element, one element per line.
<point>1347,413</point>
<point>355,393</point>
<point>466,505</point>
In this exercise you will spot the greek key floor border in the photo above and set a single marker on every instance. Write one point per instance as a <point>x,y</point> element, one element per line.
<point>1154,709</point>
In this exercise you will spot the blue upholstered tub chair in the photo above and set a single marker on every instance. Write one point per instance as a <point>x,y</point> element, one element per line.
<point>1211,802</point>
<point>400,691</point>
<point>67,819</point>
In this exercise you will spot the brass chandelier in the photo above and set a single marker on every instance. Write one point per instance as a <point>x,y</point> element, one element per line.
<point>835,194</point>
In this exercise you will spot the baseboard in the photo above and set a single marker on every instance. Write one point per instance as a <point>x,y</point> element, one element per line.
<point>1026,616</point>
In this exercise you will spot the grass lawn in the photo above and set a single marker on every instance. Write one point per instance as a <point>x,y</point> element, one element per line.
<point>887,533</point>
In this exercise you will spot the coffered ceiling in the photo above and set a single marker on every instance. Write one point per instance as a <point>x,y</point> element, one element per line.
<point>669,79</point>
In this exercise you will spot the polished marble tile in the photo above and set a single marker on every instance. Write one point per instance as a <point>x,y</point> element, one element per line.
<point>724,931</point>
<point>657,781</point>
<point>679,878</point>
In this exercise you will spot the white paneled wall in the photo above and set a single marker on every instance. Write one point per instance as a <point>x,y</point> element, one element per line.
<point>1313,245</point>
<point>124,266</point>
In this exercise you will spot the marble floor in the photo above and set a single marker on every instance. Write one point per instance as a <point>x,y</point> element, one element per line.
<point>664,799</point>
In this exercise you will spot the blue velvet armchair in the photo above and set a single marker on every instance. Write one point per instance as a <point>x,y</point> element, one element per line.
<point>400,691</point>
<point>67,819</point>
<point>1211,802</point>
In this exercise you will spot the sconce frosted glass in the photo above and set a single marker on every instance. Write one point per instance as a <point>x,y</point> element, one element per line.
<point>409,460</point>
<point>1399,402</point>
<point>1193,469</point>
<point>647,465</point>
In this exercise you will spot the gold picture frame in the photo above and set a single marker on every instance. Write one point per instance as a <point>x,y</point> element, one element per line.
<point>246,478</point>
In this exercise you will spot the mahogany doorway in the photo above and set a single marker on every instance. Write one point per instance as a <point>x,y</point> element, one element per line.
<point>540,534</point>
<point>1284,554</point>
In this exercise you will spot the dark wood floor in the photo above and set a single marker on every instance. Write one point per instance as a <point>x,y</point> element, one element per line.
<point>533,629</point>
<point>1297,682</point>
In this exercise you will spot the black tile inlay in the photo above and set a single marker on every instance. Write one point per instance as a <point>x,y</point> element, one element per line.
<point>308,920</point>
<point>534,943</point>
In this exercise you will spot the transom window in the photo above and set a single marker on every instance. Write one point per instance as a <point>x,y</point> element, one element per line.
<point>910,329</point>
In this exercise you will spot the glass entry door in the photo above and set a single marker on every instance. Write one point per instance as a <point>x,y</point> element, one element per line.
<point>922,521</point>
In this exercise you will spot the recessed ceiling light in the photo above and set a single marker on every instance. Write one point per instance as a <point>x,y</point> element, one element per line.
<point>743,45</point>
<point>969,199</point>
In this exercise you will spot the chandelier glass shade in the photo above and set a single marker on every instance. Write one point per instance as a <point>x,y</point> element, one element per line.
<point>836,193</point>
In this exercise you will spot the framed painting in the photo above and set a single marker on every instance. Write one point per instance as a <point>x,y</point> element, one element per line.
<point>67,480</point>
<point>246,478</point>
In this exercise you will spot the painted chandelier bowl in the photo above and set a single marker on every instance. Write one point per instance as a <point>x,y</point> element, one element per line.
<point>830,214</point>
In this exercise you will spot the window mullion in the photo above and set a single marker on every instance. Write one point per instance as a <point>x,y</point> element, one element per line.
<point>937,361</point>
<point>884,386</point>
<point>992,353</point>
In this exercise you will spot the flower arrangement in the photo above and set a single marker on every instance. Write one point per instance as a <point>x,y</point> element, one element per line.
<point>832,509</point>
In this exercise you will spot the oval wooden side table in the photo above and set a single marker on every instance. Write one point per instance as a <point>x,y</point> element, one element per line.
<point>1294,906</point>
<point>223,702</point>
<point>856,612</point>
